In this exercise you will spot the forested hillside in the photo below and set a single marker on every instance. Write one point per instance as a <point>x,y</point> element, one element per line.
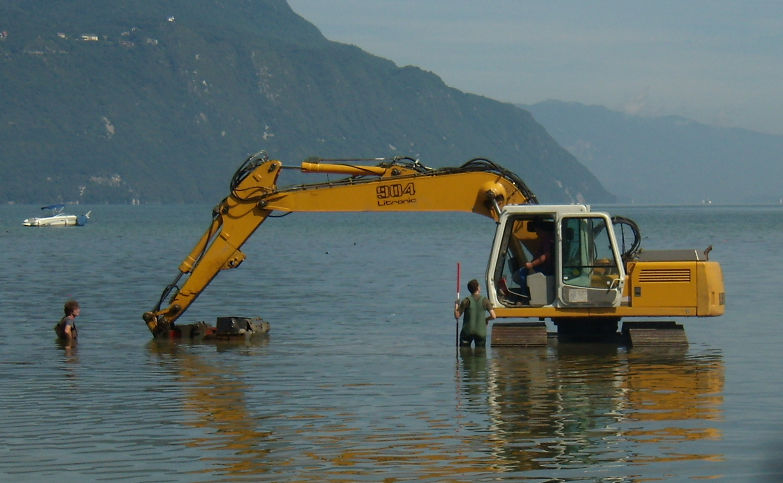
<point>159,101</point>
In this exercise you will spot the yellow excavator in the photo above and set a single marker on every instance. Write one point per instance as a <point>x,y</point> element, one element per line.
<point>590,285</point>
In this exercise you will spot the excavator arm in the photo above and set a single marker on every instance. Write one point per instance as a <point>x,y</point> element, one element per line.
<point>399,184</point>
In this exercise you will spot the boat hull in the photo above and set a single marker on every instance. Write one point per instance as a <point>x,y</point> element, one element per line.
<point>57,220</point>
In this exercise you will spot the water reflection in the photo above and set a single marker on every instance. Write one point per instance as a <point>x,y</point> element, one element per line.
<point>519,413</point>
<point>69,348</point>
<point>214,402</point>
<point>70,356</point>
<point>579,406</point>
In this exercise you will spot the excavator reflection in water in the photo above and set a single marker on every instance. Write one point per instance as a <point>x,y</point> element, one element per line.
<point>520,413</point>
<point>216,401</point>
<point>593,284</point>
<point>579,408</point>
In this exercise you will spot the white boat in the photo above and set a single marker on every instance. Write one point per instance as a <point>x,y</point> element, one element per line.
<point>57,218</point>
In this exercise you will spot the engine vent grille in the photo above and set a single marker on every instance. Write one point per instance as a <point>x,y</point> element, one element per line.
<point>665,275</point>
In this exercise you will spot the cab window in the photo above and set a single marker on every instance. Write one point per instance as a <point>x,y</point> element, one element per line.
<point>587,256</point>
<point>521,242</point>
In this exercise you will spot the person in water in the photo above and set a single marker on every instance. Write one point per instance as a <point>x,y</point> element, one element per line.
<point>474,325</point>
<point>66,328</point>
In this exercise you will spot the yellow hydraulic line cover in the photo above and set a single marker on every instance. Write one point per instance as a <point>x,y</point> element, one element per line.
<point>342,169</point>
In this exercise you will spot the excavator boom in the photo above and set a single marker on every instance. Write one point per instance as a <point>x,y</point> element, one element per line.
<point>400,184</point>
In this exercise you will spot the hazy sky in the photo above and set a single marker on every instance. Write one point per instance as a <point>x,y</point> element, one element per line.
<point>715,61</point>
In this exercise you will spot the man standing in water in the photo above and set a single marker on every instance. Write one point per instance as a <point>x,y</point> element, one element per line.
<point>66,328</point>
<point>474,325</point>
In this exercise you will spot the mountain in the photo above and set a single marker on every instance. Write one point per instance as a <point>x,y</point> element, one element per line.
<point>667,159</point>
<point>161,100</point>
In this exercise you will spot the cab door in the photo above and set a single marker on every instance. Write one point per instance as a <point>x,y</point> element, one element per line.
<point>590,270</point>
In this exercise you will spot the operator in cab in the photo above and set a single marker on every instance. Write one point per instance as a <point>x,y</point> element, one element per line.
<point>543,260</point>
<point>474,325</point>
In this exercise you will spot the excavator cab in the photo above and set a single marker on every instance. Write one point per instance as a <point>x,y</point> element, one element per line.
<point>583,269</point>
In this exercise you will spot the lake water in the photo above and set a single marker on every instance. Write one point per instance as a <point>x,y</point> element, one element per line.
<point>359,378</point>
